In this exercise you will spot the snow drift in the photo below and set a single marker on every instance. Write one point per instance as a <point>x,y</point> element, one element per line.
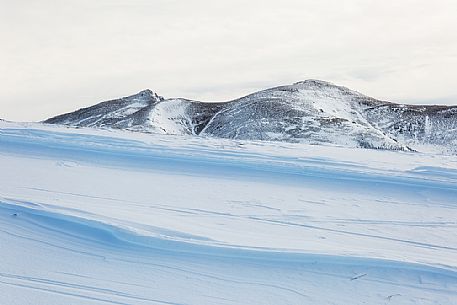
<point>107,216</point>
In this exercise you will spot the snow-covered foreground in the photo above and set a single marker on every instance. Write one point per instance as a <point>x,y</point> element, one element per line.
<point>100,217</point>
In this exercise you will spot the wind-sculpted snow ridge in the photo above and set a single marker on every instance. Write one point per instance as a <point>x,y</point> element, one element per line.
<point>93,216</point>
<point>237,274</point>
<point>311,111</point>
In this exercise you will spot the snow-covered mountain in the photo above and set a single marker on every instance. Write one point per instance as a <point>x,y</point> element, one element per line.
<point>310,111</point>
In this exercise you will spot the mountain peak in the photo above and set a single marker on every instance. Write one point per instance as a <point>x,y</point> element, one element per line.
<point>146,94</point>
<point>315,82</point>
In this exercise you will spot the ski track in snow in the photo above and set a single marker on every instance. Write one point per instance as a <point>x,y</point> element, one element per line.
<point>102,217</point>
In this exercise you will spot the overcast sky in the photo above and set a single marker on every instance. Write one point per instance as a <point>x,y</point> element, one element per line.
<point>57,56</point>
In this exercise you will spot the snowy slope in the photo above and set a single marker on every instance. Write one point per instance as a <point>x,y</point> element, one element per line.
<point>311,111</point>
<point>122,113</point>
<point>180,116</point>
<point>426,128</point>
<point>101,216</point>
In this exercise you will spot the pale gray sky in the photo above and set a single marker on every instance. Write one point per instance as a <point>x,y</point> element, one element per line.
<point>57,56</point>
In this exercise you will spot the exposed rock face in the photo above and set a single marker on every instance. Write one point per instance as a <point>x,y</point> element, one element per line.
<point>311,111</point>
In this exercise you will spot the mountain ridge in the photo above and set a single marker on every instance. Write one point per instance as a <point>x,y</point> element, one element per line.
<point>311,111</point>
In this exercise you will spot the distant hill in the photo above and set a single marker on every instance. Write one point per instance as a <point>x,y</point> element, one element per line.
<point>310,111</point>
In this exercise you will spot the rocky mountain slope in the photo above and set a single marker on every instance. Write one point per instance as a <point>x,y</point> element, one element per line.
<point>310,111</point>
